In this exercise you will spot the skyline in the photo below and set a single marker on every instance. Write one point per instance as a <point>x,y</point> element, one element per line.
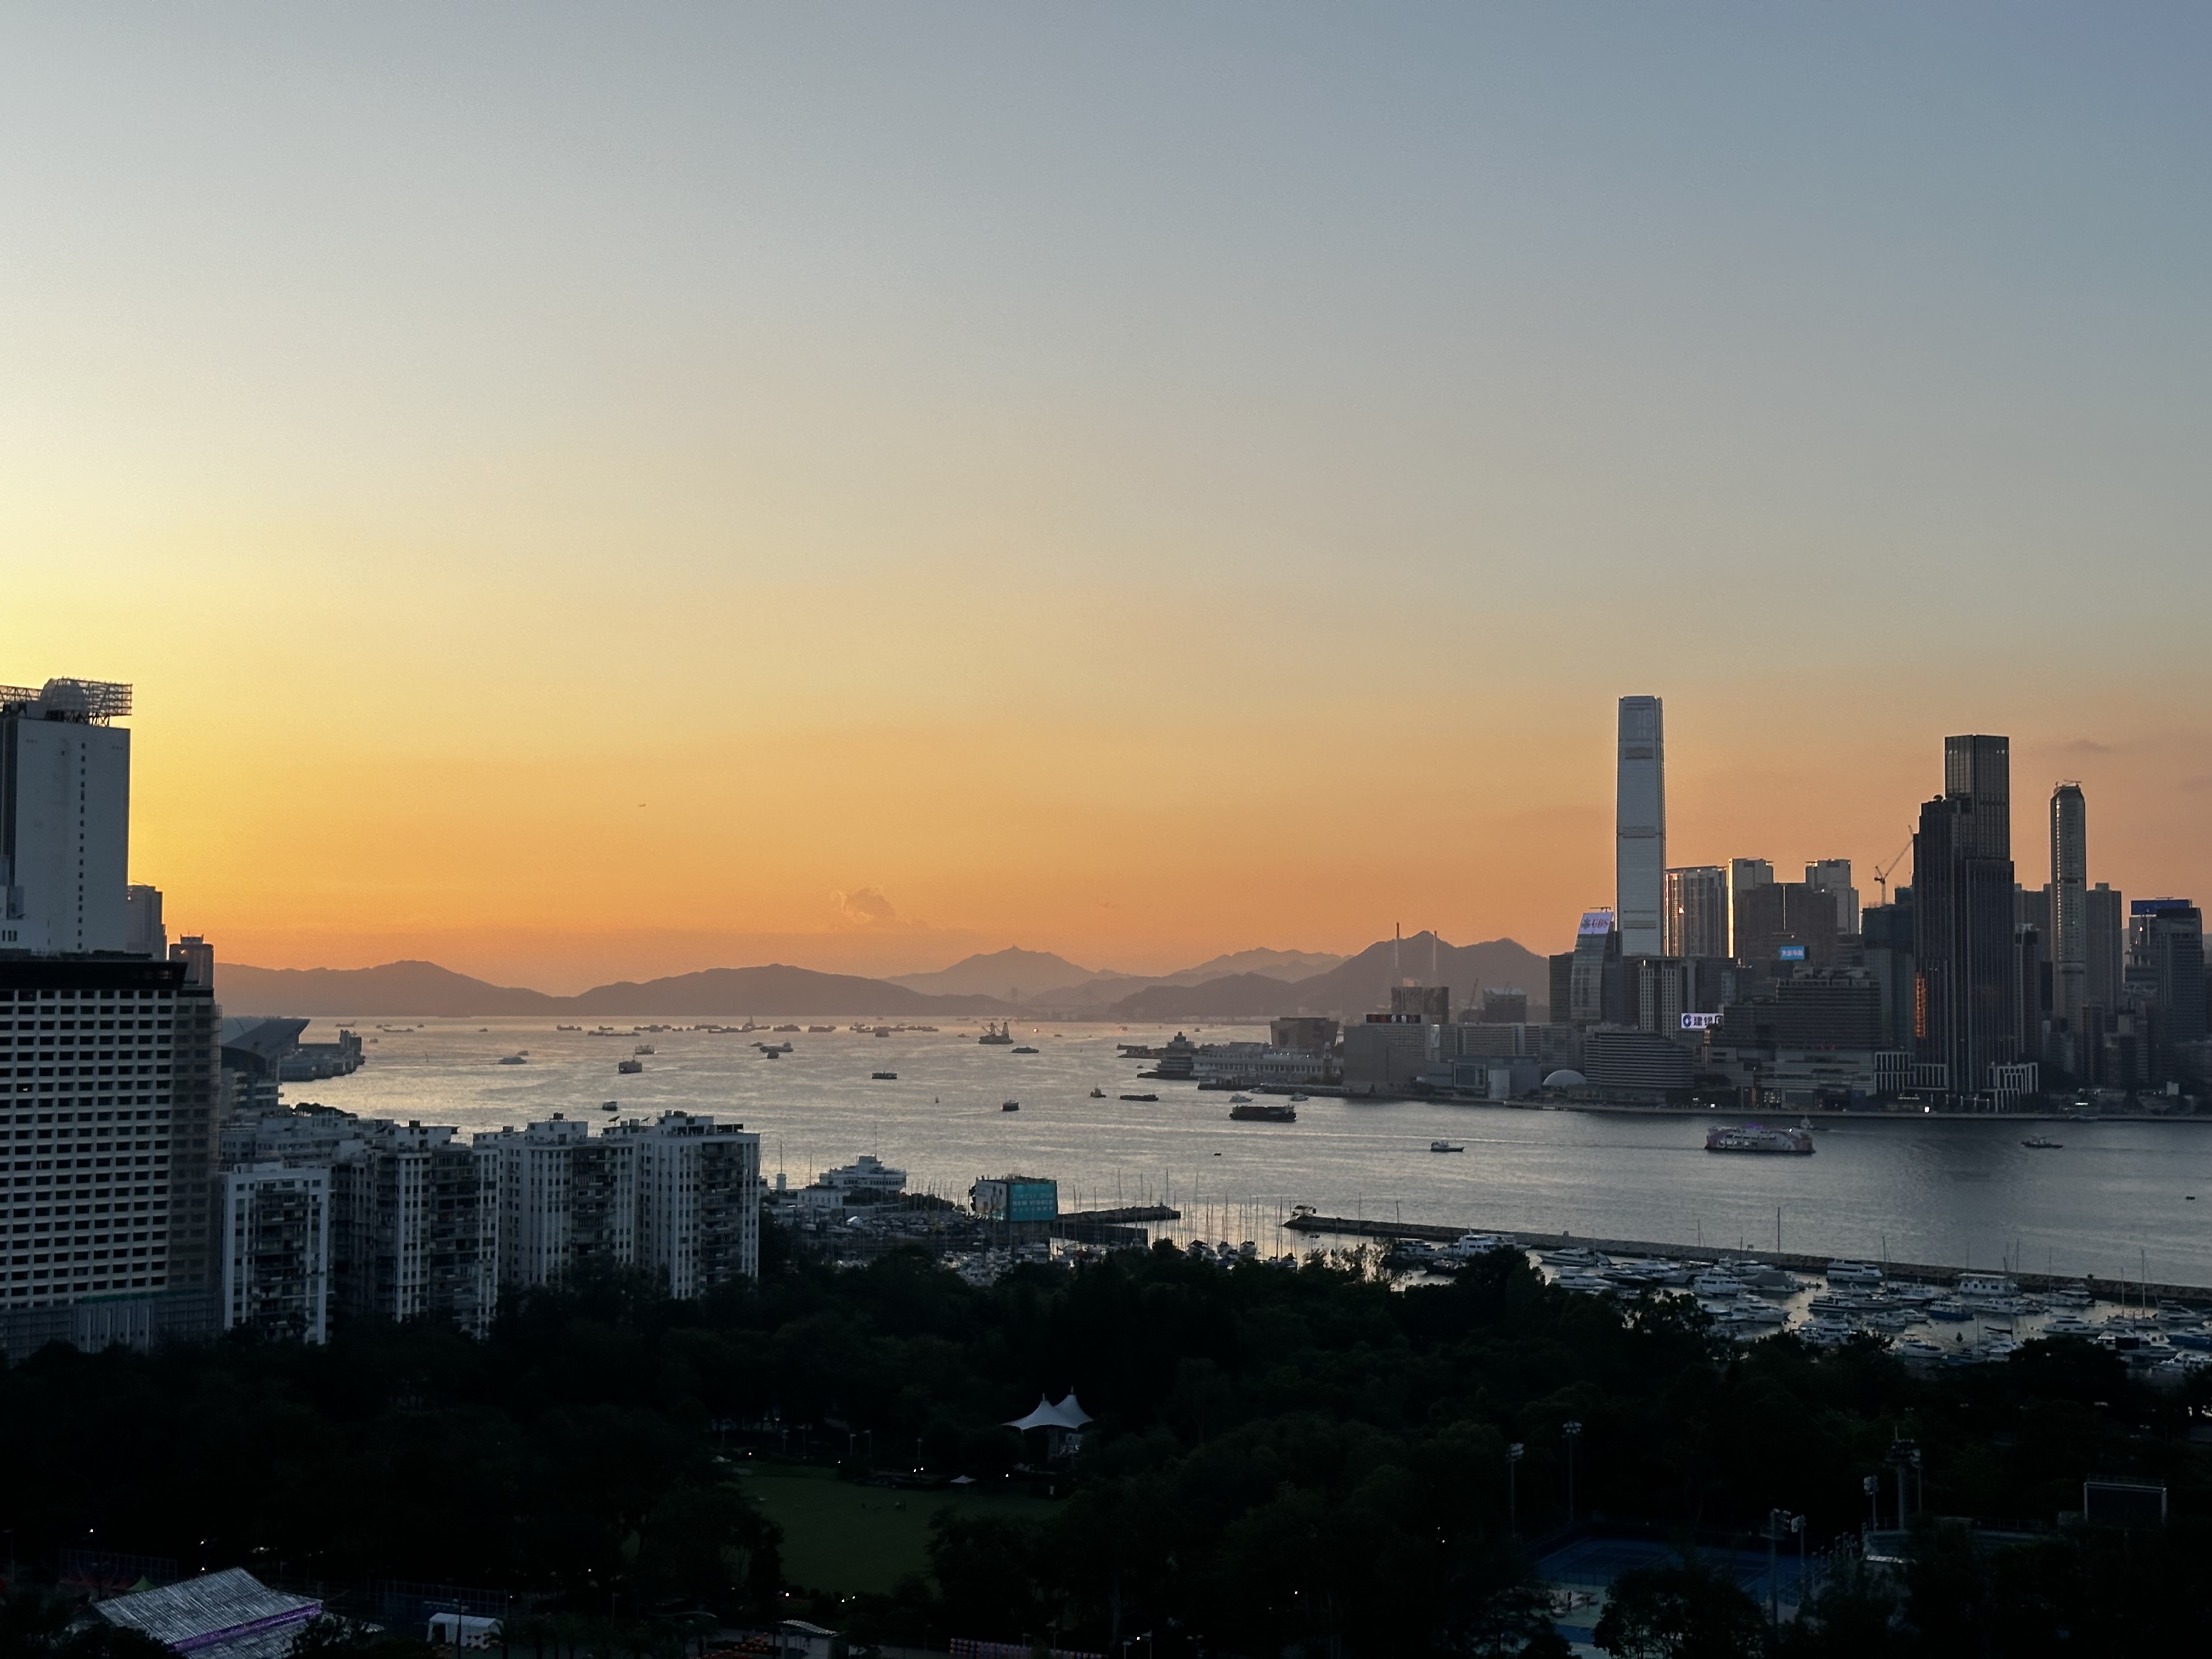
<point>1141,485</point>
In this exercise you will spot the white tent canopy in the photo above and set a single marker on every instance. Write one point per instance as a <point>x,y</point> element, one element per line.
<point>1068,1414</point>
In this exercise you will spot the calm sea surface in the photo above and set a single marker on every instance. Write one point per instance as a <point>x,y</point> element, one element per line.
<point>2116,1201</point>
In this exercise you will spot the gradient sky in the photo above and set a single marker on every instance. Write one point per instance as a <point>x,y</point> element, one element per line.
<point>586,492</point>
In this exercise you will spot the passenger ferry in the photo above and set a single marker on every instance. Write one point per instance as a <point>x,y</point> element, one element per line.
<point>1752,1138</point>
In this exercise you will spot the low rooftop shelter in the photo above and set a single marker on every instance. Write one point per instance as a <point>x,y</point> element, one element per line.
<point>229,1614</point>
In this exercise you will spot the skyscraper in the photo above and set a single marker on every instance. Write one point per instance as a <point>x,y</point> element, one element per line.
<point>64,817</point>
<point>1744,874</point>
<point>2103,927</point>
<point>2070,886</point>
<point>1697,912</point>
<point>1834,876</point>
<point>1640,828</point>
<point>2166,963</point>
<point>1965,995</point>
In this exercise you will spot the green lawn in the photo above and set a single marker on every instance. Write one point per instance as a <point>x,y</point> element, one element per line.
<point>850,1539</point>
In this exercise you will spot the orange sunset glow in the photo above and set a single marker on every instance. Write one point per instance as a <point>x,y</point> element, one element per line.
<point>633,500</point>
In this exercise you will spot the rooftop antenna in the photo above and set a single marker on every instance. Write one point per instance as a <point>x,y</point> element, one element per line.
<point>1397,942</point>
<point>1432,955</point>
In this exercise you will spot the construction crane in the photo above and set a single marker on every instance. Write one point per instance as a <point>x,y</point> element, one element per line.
<point>1881,871</point>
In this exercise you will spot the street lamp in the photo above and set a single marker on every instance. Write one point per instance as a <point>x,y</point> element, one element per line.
<point>1872,1487</point>
<point>1573,1430</point>
<point>1512,1490</point>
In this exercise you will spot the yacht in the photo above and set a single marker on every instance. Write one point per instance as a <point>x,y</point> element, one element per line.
<point>1587,1284</point>
<point>1918,1350</point>
<point>1721,1286</point>
<point>1948,1310</point>
<point>2068,1325</point>
<point>1986,1285</point>
<point>1853,1273</point>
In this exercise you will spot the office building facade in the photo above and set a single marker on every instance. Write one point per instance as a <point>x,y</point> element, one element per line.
<point>64,817</point>
<point>2069,904</point>
<point>1744,875</point>
<point>1640,827</point>
<point>107,1064</point>
<point>1697,922</point>
<point>1966,1000</point>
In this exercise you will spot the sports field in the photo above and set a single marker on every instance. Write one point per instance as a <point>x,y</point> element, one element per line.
<point>850,1540</point>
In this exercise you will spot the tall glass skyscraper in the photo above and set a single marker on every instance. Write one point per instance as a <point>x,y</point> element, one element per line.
<point>2069,887</point>
<point>1966,991</point>
<point>1640,828</point>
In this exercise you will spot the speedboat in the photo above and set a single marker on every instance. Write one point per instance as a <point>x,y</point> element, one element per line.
<point>1240,1100</point>
<point>1444,1146</point>
<point>1298,1100</point>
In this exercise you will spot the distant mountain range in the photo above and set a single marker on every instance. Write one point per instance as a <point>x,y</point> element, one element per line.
<point>1038,979</point>
<point>423,988</point>
<point>1353,986</point>
<point>1292,983</point>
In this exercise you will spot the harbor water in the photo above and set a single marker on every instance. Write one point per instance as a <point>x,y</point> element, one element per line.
<point>2119,1200</point>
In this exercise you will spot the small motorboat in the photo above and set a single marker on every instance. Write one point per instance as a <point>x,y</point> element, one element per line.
<point>642,1049</point>
<point>1298,1100</point>
<point>609,1105</point>
<point>1098,1094</point>
<point>883,1077</point>
<point>1444,1146</point>
<point>1010,1105</point>
<point>514,1060</point>
<point>1240,1100</point>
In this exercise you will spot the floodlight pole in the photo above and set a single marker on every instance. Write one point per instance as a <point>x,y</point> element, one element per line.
<point>1512,1490</point>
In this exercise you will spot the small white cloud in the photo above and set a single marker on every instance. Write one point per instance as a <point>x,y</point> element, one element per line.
<point>864,908</point>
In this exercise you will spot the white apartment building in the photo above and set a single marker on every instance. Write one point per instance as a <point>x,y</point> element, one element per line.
<point>277,1251</point>
<point>417,1213</point>
<point>564,1198</point>
<point>698,1201</point>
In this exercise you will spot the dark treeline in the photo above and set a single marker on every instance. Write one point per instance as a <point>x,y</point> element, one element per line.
<point>1284,1456</point>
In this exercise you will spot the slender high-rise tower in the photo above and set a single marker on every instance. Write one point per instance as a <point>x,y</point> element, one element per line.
<point>2069,887</point>
<point>1965,995</point>
<point>1640,828</point>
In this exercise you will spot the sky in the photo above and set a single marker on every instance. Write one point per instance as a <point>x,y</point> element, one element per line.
<point>588,492</point>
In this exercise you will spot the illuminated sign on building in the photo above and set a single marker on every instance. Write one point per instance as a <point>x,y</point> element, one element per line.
<point>1700,1022</point>
<point>1595,921</point>
<point>1791,953</point>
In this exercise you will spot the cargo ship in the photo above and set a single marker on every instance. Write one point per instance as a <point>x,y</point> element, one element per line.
<point>1752,1138</point>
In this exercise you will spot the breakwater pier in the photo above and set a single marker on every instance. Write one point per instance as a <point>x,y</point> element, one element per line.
<point>2111,1290</point>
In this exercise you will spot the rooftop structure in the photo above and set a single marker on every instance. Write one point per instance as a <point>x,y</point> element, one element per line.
<point>219,1615</point>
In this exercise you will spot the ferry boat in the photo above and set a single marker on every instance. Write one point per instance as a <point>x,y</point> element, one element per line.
<point>1254,1111</point>
<point>629,1067</point>
<point>1142,1097</point>
<point>1752,1138</point>
<point>996,1036</point>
